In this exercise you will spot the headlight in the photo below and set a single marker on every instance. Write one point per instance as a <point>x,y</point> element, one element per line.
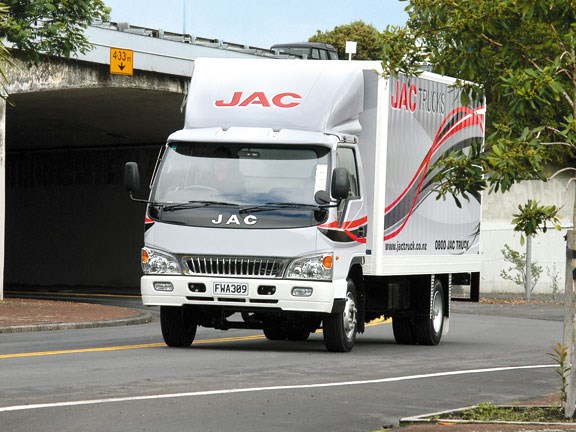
<point>318,267</point>
<point>156,262</point>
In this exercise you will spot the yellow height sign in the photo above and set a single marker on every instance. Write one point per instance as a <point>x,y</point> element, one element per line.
<point>121,61</point>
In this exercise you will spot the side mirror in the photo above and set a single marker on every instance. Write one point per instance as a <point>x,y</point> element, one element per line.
<point>131,177</point>
<point>340,183</point>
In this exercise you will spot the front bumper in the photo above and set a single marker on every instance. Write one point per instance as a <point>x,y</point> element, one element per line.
<point>321,300</point>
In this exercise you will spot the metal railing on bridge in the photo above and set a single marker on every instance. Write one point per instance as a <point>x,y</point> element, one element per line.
<point>194,40</point>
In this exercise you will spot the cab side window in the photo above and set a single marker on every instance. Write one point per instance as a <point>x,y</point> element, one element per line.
<point>346,158</point>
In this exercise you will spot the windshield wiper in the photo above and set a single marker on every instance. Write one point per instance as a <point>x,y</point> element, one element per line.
<point>193,205</point>
<point>280,205</point>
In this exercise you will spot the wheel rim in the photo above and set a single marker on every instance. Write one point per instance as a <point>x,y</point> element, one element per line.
<point>437,312</point>
<point>350,316</point>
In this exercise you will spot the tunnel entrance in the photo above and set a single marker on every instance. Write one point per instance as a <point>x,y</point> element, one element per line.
<point>69,222</point>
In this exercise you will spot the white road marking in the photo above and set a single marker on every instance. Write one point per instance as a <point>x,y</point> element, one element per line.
<point>272,388</point>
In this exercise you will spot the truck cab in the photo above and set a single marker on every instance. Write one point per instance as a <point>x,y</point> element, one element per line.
<point>258,222</point>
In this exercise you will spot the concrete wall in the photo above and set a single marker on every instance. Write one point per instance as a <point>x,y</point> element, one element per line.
<point>61,74</point>
<point>548,250</point>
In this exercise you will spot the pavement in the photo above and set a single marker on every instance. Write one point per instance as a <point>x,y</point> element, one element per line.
<point>19,315</point>
<point>541,307</point>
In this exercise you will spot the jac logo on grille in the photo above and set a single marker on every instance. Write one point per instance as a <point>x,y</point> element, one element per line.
<point>281,100</point>
<point>235,220</point>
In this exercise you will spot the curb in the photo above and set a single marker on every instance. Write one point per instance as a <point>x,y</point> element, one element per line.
<point>142,318</point>
<point>437,417</point>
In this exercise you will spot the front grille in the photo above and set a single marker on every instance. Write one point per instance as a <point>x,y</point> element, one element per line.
<point>256,267</point>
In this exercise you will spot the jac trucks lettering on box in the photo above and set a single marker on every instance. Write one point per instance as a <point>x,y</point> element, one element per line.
<point>300,196</point>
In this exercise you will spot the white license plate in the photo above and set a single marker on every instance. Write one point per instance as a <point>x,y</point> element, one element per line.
<point>231,288</point>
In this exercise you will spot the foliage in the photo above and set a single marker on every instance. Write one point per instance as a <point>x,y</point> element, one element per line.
<point>532,217</point>
<point>400,52</point>
<point>560,355</point>
<point>522,53</point>
<point>5,57</point>
<point>457,176</point>
<point>517,273</point>
<point>54,27</point>
<point>490,412</point>
<point>554,276</point>
<point>369,42</point>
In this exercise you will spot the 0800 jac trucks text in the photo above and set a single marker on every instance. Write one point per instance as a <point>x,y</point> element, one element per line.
<point>299,196</point>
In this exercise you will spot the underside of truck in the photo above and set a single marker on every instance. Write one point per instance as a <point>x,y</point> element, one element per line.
<point>418,305</point>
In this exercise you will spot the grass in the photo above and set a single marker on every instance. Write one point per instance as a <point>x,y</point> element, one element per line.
<point>487,411</point>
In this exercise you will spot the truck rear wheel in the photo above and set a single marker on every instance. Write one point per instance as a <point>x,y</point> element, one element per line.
<point>340,328</point>
<point>178,326</point>
<point>429,330</point>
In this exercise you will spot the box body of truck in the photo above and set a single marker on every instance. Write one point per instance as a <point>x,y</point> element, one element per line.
<point>300,195</point>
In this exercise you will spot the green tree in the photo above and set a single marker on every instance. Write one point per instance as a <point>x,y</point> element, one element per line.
<point>523,52</point>
<point>517,273</point>
<point>5,57</point>
<point>54,27</point>
<point>369,41</point>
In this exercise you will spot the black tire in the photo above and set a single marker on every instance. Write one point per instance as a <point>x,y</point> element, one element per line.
<point>428,330</point>
<point>340,328</point>
<point>178,326</point>
<point>404,333</point>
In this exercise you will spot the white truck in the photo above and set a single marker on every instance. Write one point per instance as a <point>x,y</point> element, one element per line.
<point>299,196</point>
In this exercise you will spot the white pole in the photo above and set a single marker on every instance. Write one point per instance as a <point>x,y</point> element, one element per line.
<point>183,17</point>
<point>568,292</point>
<point>528,287</point>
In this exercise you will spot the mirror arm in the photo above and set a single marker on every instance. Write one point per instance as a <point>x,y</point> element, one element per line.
<point>138,199</point>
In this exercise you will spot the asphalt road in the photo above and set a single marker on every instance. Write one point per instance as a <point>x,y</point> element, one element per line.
<point>125,379</point>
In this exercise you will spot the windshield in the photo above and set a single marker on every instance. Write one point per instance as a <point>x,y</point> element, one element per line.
<point>241,174</point>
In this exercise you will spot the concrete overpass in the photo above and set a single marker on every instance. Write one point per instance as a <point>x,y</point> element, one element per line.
<point>69,127</point>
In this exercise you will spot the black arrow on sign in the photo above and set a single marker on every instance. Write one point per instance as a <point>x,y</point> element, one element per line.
<point>121,66</point>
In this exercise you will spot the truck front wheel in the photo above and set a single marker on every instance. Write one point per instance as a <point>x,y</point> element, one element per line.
<point>340,328</point>
<point>178,326</point>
